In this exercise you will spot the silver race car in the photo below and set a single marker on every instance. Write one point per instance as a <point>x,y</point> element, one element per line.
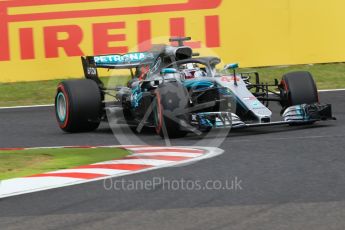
<point>176,92</point>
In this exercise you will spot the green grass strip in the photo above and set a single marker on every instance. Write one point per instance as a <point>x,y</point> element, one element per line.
<point>34,161</point>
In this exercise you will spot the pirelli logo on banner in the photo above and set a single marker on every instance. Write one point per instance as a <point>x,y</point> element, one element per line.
<point>68,34</point>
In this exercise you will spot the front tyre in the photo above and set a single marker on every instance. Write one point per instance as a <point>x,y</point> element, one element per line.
<point>298,88</point>
<point>78,105</point>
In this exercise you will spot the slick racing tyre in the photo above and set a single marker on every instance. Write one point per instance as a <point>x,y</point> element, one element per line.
<point>170,99</point>
<point>78,105</point>
<point>298,88</point>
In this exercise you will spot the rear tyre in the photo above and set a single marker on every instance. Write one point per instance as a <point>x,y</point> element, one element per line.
<point>78,105</point>
<point>171,98</point>
<point>298,88</point>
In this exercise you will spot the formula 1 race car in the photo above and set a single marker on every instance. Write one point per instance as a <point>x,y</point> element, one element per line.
<point>177,92</point>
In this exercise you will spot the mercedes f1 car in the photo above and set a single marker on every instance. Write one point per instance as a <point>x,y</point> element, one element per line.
<point>177,92</point>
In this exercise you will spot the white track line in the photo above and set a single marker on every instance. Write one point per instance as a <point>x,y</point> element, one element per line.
<point>157,148</point>
<point>170,154</point>
<point>137,161</point>
<point>33,184</point>
<point>26,106</point>
<point>331,90</point>
<point>92,170</point>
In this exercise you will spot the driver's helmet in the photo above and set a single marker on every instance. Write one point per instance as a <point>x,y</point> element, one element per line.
<point>192,70</point>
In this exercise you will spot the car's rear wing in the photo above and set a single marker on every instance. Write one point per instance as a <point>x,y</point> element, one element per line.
<point>115,61</point>
<point>136,59</point>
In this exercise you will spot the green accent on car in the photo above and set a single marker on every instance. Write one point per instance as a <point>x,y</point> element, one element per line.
<point>168,70</point>
<point>61,106</point>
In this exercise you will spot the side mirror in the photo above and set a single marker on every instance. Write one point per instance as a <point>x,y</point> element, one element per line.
<point>232,66</point>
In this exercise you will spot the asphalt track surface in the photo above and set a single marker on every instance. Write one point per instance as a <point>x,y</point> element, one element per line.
<point>291,178</point>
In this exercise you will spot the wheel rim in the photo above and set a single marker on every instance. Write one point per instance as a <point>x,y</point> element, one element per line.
<point>61,107</point>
